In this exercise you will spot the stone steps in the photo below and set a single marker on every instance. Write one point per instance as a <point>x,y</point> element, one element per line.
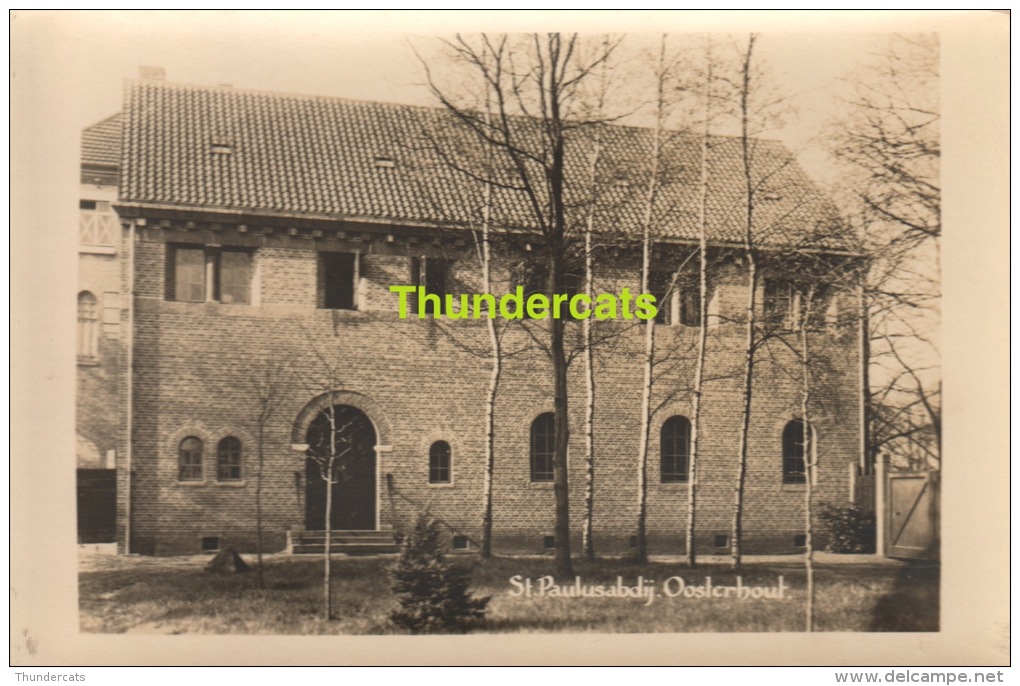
<point>343,542</point>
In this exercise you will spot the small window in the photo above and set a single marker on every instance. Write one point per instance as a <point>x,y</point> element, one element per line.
<point>439,463</point>
<point>800,541</point>
<point>817,302</point>
<point>338,278</point>
<point>548,542</point>
<point>722,541</point>
<point>88,327</point>
<point>228,460</point>
<point>234,277</point>
<point>432,274</point>
<point>543,434</point>
<point>690,300</point>
<point>200,274</point>
<point>188,274</point>
<point>781,299</point>
<point>794,452</point>
<point>633,541</point>
<point>190,459</point>
<point>210,544</point>
<point>675,445</point>
<point>573,284</point>
<point>87,204</point>
<point>660,285</point>
<point>461,543</point>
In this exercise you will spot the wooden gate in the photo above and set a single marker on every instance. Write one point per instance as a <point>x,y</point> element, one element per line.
<point>912,515</point>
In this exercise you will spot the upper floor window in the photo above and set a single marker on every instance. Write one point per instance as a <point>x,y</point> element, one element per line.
<point>207,273</point>
<point>433,274</point>
<point>189,459</point>
<point>794,451</point>
<point>786,303</point>
<point>543,435</point>
<point>689,287</point>
<point>88,327</point>
<point>228,459</point>
<point>338,280</point>
<point>439,463</point>
<point>675,445</point>
<point>781,303</point>
<point>660,285</point>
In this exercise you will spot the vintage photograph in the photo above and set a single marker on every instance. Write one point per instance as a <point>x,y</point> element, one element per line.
<point>504,332</point>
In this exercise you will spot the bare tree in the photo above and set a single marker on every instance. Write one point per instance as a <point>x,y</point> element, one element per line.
<point>535,82</point>
<point>333,442</point>
<point>267,384</point>
<point>744,95</point>
<point>699,368</point>
<point>888,142</point>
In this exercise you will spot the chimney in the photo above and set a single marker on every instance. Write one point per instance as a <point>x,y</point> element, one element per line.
<point>153,73</point>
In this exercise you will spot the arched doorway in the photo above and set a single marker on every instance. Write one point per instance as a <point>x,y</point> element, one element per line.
<point>353,455</point>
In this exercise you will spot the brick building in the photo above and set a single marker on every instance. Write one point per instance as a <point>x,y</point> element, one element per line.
<point>100,352</point>
<point>262,234</point>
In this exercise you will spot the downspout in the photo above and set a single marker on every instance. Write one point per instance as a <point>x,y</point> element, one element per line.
<point>865,394</point>
<point>130,386</point>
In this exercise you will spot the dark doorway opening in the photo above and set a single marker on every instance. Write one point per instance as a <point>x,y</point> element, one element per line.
<point>97,505</point>
<point>353,440</point>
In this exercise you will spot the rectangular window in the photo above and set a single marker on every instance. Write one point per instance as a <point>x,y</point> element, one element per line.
<point>199,274</point>
<point>817,302</point>
<point>690,300</point>
<point>433,274</point>
<point>189,275</point>
<point>780,303</point>
<point>235,277</point>
<point>659,285</point>
<point>339,276</point>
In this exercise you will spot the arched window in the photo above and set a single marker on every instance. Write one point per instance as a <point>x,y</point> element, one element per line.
<point>794,450</point>
<point>543,433</point>
<point>88,327</point>
<point>228,460</point>
<point>439,463</point>
<point>675,445</point>
<point>190,459</point>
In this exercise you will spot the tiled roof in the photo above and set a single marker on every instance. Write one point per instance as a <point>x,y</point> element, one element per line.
<point>224,148</point>
<point>100,143</point>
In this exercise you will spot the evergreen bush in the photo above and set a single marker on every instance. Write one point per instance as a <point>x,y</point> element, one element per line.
<point>850,529</point>
<point>433,595</point>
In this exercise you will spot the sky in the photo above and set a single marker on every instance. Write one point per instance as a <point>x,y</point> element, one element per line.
<point>85,56</point>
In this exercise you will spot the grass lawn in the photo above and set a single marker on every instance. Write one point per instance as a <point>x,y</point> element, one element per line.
<point>176,595</point>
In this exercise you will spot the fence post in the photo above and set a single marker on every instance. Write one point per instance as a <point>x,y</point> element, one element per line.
<point>881,465</point>
<point>853,482</point>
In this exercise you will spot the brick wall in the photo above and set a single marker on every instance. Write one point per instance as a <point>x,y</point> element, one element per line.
<point>421,381</point>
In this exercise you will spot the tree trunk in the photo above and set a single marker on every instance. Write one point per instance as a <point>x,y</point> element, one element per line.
<point>587,535</point>
<point>648,358</point>
<point>494,377</point>
<point>809,466</point>
<point>745,414</point>
<point>752,287</point>
<point>641,554</point>
<point>699,368</point>
<point>327,574</point>
<point>258,504</point>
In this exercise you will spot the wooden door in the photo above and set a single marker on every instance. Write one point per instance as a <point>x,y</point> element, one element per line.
<point>912,527</point>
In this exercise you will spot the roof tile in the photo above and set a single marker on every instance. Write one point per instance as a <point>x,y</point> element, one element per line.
<point>316,155</point>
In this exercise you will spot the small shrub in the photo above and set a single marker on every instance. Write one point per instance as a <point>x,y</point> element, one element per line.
<point>850,529</point>
<point>432,594</point>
